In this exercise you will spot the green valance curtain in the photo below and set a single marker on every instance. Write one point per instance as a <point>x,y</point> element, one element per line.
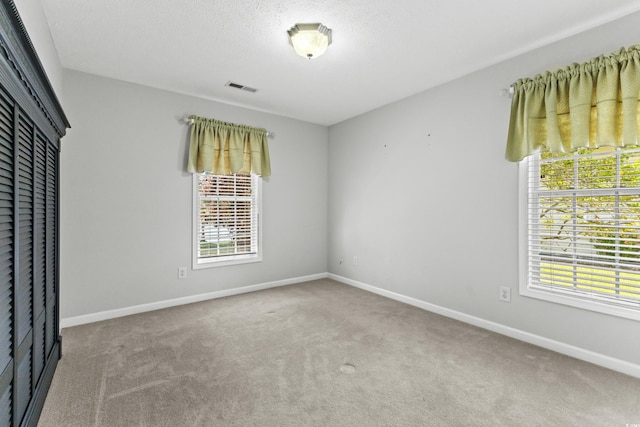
<point>584,105</point>
<point>226,148</point>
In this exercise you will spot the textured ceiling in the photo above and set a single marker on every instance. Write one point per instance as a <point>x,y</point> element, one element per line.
<point>382,50</point>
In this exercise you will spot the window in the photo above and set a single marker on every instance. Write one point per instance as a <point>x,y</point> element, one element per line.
<point>581,229</point>
<point>226,219</point>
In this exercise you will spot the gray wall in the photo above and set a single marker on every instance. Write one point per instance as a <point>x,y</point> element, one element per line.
<point>420,192</point>
<point>126,199</point>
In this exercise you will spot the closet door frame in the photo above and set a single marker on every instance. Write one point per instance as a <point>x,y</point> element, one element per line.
<point>35,122</point>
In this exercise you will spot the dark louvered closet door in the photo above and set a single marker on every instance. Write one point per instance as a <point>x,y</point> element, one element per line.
<point>6,257</point>
<point>28,261</point>
<point>40,248</point>
<point>24,290</point>
<point>51,250</point>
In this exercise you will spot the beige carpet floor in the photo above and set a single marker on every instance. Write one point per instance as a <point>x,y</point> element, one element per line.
<point>321,354</point>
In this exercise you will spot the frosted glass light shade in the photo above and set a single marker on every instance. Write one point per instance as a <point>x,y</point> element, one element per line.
<point>309,40</point>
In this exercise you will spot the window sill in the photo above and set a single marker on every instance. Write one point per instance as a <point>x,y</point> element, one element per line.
<point>226,261</point>
<point>631,312</point>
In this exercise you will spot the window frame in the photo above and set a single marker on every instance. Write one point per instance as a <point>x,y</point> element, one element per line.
<point>224,260</point>
<point>567,297</point>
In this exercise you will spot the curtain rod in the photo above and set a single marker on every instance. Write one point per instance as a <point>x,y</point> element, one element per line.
<point>506,92</point>
<point>189,121</point>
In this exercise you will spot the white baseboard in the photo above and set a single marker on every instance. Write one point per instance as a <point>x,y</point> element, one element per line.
<point>557,346</point>
<point>126,311</point>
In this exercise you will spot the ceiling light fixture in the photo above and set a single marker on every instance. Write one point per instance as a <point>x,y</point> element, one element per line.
<point>309,40</point>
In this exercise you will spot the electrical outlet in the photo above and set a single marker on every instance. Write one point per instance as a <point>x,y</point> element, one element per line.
<point>355,260</point>
<point>182,272</point>
<point>340,261</point>
<point>505,293</point>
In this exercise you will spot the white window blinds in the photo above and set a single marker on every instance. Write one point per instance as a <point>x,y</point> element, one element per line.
<point>583,214</point>
<point>226,226</point>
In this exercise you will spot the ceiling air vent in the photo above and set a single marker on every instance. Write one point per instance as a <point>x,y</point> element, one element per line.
<point>241,87</point>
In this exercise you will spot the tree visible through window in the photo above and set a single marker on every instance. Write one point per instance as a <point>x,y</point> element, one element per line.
<point>226,223</point>
<point>584,225</point>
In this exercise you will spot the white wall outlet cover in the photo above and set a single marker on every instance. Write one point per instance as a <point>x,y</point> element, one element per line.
<point>505,293</point>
